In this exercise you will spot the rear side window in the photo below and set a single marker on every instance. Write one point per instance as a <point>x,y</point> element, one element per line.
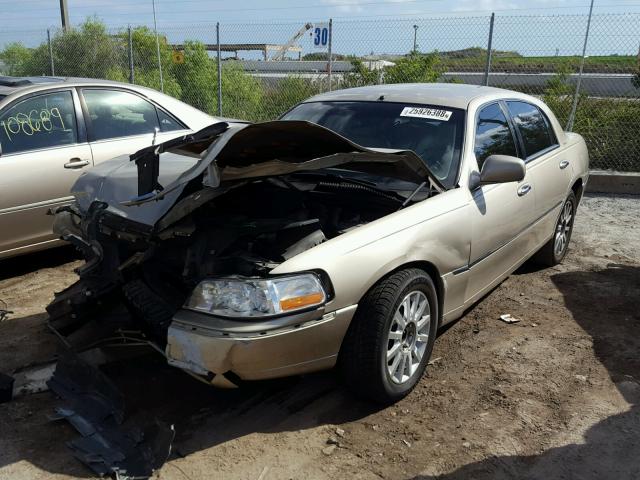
<point>117,114</point>
<point>44,121</point>
<point>493,135</point>
<point>168,123</point>
<point>533,126</point>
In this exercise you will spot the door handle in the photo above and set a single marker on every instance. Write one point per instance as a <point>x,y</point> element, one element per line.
<point>524,189</point>
<point>564,164</point>
<point>76,162</point>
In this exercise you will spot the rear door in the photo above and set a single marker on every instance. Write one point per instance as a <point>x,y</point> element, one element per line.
<point>121,122</point>
<point>502,213</point>
<point>550,170</point>
<point>44,150</point>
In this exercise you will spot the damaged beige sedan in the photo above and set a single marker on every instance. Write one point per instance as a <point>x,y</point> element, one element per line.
<point>344,234</point>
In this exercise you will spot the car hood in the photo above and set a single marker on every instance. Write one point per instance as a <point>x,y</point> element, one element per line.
<point>234,153</point>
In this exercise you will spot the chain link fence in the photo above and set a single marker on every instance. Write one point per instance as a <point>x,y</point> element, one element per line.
<point>258,71</point>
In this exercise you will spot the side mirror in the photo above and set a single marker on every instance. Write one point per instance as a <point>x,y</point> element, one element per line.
<point>499,169</point>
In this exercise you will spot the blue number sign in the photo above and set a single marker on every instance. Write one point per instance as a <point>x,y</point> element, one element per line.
<point>321,36</point>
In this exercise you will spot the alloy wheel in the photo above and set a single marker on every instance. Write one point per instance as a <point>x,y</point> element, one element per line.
<point>408,336</point>
<point>563,229</point>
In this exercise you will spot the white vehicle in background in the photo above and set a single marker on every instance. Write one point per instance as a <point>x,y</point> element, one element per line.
<point>52,129</point>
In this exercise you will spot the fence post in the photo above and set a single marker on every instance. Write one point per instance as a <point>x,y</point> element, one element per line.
<point>155,29</point>
<point>487,68</point>
<point>132,75</point>
<point>330,66</point>
<point>574,106</point>
<point>219,70</point>
<point>53,67</point>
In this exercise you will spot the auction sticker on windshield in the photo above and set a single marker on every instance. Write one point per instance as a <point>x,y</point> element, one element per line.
<point>429,113</point>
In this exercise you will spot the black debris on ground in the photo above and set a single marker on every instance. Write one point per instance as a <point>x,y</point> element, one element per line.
<point>109,443</point>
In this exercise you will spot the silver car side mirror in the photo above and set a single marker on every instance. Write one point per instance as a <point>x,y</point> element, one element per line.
<point>499,169</point>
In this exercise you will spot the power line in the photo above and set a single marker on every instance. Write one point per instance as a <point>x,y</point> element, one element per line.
<point>460,13</point>
<point>316,6</point>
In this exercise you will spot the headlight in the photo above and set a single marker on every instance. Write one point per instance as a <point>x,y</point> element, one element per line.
<point>249,297</point>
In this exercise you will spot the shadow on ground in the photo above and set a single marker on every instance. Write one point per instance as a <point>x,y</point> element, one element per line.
<point>23,264</point>
<point>605,304</point>
<point>203,417</point>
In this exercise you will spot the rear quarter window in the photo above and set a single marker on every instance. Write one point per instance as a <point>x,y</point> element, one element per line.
<point>533,126</point>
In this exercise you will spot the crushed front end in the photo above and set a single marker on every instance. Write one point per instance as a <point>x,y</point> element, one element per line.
<point>181,240</point>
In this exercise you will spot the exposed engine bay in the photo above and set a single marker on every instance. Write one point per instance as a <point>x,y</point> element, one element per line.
<point>225,219</point>
<point>246,232</point>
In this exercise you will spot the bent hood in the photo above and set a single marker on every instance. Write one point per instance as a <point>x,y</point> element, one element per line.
<point>144,186</point>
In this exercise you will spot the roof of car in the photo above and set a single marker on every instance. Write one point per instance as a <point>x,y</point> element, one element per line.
<point>9,85</point>
<point>446,94</point>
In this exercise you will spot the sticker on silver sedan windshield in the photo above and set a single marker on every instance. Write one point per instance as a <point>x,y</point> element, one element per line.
<point>429,113</point>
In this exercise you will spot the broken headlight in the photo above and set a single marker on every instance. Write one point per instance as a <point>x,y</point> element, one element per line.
<point>249,297</point>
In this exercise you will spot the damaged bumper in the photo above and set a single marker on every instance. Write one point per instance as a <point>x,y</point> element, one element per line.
<point>223,350</point>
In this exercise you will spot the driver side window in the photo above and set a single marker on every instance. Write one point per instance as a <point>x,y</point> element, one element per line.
<point>493,135</point>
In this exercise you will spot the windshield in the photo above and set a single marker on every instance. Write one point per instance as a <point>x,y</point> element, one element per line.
<point>434,133</point>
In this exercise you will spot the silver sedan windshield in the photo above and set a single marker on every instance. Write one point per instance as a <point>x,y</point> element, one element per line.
<point>435,133</point>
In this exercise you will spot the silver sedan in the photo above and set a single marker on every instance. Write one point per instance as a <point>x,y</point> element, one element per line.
<point>344,234</point>
<point>52,129</point>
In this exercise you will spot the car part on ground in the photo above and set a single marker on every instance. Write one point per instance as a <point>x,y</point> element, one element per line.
<point>109,443</point>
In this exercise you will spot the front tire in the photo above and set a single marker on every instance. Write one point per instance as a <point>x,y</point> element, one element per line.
<point>390,339</point>
<point>554,251</point>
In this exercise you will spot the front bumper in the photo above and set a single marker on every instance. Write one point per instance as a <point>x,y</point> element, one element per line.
<point>290,345</point>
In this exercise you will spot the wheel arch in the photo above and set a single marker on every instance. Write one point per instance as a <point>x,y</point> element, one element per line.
<point>578,189</point>
<point>427,267</point>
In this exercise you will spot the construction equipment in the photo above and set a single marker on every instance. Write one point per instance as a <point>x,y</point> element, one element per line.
<point>279,55</point>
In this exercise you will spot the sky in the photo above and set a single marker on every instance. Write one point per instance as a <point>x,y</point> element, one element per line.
<point>379,26</point>
<point>37,14</point>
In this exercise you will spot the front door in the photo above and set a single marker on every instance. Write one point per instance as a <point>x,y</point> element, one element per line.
<point>42,156</point>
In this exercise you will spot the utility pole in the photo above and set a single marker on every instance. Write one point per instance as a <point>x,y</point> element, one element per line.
<point>415,38</point>
<point>64,14</point>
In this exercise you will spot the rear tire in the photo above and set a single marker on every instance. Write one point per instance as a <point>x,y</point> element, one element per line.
<point>554,251</point>
<point>390,339</point>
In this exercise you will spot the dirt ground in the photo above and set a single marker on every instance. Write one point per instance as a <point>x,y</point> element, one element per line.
<point>556,396</point>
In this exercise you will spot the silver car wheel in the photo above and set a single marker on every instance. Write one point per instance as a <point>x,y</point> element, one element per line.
<point>563,229</point>
<point>408,336</point>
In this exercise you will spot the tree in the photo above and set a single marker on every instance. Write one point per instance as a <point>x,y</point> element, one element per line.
<point>414,68</point>
<point>87,51</point>
<point>145,61</point>
<point>558,92</point>
<point>360,75</point>
<point>198,78</point>
<point>287,93</point>
<point>242,94</point>
<point>15,58</point>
